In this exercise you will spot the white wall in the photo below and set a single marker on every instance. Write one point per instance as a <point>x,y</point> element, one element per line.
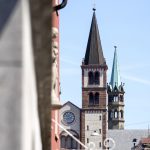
<point>92,119</point>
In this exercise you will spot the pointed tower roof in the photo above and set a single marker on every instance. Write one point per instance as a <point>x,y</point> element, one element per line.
<point>115,75</point>
<point>94,52</point>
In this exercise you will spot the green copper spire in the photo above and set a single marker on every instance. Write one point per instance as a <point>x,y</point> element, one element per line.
<point>115,75</point>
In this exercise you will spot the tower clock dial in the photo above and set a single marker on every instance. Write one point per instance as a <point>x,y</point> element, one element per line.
<point>68,117</point>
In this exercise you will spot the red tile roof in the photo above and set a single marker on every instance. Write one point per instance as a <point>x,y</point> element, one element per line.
<point>145,141</point>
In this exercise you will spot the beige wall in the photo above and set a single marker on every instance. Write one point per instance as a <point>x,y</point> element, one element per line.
<point>92,119</point>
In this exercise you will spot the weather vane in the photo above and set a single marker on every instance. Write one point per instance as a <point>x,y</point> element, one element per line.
<point>94,5</point>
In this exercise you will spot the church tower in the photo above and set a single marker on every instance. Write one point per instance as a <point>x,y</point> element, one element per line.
<point>115,92</point>
<point>94,90</point>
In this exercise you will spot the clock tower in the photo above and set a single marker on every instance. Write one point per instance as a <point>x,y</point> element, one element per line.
<point>94,91</point>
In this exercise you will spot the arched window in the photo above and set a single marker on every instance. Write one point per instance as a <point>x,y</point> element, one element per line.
<point>68,142</point>
<point>91,78</point>
<point>96,77</point>
<point>91,99</point>
<point>74,144</point>
<point>121,113</point>
<point>115,98</point>
<point>110,98</point>
<point>109,114</point>
<point>63,142</point>
<point>97,98</point>
<point>121,98</point>
<point>115,114</point>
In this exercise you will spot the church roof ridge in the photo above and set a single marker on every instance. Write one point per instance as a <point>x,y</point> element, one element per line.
<point>71,104</point>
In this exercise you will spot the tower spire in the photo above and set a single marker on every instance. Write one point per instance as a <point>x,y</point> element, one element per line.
<point>115,75</point>
<point>94,52</point>
<point>115,92</point>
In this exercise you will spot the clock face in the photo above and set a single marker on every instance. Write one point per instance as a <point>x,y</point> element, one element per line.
<point>68,117</point>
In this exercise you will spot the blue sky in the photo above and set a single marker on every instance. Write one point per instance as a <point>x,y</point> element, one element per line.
<point>122,23</point>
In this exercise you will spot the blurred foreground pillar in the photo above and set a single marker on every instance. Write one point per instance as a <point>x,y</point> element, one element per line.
<point>41,40</point>
<point>25,39</point>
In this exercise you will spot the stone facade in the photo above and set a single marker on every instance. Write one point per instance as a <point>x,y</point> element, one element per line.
<point>93,126</point>
<point>76,111</point>
<point>115,90</point>
<point>73,127</point>
<point>116,109</point>
<point>95,110</point>
<point>85,77</point>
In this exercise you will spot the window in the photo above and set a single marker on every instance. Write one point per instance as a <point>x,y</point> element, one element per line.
<point>115,98</point>
<point>97,98</point>
<point>100,144</point>
<point>100,117</point>
<point>87,127</point>
<point>110,98</point>
<point>63,142</point>
<point>109,114</point>
<point>121,113</point>
<point>121,98</point>
<point>87,140</point>
<point>96,77</point>
<point>74,144</point>
<point>100,131</point>
<point>68,142</point>
<point>91,99</point>
<point>112,115</point>
<point>91,78</point>
<point>115,114</point>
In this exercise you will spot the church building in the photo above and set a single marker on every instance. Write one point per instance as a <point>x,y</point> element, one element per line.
<point>100,101</point>
<point>88,124</point>
<point>99,124</point>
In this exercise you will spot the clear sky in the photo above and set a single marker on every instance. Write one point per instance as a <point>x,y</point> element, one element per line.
<point>122,23</point>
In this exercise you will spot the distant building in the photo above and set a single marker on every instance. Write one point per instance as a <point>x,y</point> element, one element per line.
<point>94,90</point>
<point>123,139</point>
<point>115,92</point>
<point>93,114</point>
<point>102,112</point>
<point>70,120</point>
<point>144,144</point>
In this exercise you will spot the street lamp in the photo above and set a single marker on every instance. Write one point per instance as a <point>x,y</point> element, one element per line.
<point>95,134</point>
